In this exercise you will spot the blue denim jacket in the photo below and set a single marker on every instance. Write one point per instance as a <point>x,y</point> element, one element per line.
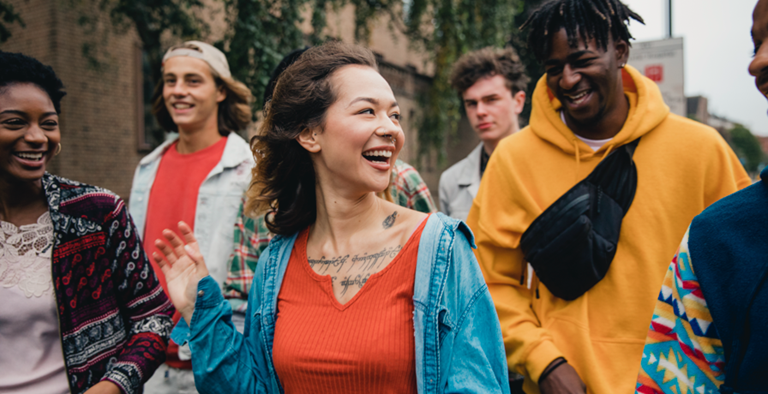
<point>217,201</point>
<point>459,348</point>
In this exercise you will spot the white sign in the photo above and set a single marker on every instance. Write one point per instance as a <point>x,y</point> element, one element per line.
<point>662,62</point>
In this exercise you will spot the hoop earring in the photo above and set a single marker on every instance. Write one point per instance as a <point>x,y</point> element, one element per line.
<point>58,149</point>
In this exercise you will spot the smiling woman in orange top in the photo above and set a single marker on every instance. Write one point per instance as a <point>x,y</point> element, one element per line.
<point>355,294</point>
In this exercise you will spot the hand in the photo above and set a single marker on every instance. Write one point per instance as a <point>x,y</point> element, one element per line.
<point>104,387</point>
<point>562,380</point>
<point>183,266</point>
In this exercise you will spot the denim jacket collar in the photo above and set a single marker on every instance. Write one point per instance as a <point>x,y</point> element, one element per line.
<point>234,152</point>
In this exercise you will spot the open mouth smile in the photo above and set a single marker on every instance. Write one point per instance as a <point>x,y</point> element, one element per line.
<point>182,106</point>
<point>378,156</point>
<point>29,156</point>
<point>578,98</point>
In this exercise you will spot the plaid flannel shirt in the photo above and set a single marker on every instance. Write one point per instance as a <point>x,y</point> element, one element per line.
<point>407,189</point>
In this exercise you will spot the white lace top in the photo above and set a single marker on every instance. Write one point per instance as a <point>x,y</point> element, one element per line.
<point>31,358</point>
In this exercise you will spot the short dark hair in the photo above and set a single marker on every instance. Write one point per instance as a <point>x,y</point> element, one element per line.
<point>19,68</point>
<point>283,184</point>
<point>580,18</point>
<point>487,62</point>
<point>234,112</point>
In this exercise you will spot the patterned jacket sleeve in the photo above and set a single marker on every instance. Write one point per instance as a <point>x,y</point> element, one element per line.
<point>683,352</point>
<point>143,304</point>
<point>409,190</point>
<point>251,238</point>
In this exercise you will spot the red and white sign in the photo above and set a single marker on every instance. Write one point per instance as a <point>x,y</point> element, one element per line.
<point>662,62</point>
<point>655,72</point>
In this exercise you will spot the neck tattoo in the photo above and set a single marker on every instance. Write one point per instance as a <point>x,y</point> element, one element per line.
<point>389,221</point>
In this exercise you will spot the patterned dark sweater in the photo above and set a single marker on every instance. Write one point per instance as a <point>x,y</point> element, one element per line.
<point>114,318</point>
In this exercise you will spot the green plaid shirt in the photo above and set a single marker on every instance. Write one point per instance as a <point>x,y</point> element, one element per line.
<point>252,237</point>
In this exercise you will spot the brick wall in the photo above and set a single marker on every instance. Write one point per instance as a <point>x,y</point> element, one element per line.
<point>99,119</point>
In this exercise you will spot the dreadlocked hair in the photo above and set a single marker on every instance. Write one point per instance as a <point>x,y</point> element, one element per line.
<point>580,18</point>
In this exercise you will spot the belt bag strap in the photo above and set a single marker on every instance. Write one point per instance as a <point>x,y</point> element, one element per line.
<point>572,243</point>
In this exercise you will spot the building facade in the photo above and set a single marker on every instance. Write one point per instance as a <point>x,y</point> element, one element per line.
<point>105,113</point>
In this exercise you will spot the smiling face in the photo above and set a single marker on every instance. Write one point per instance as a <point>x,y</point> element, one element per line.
<point>758,68</point>
<point>361,137</point>
<point>586,79</point>
<point>492,109</point>
<point>190,93</point>
<point>29,132</point>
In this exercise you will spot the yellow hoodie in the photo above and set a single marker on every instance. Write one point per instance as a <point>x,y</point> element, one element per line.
<point>683,166</point>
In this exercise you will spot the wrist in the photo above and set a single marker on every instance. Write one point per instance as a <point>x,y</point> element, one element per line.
<point>187,313</point>
<point>551,367</point>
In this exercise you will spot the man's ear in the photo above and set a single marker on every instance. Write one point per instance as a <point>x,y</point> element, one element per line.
<point>221,93</point>
<point>519,100</point>
<point>308,140</point>
<point>622,52</point>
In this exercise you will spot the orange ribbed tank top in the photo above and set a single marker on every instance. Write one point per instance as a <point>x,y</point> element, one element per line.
<point>364,346</point>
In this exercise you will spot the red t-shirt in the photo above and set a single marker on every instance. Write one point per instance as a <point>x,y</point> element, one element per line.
<point>365,346</point>
<point>173,198</point>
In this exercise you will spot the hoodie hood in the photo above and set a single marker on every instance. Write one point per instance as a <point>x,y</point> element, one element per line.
<point>646,111</point>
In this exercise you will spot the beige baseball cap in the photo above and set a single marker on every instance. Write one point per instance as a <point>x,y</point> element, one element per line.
<point>200,50</point>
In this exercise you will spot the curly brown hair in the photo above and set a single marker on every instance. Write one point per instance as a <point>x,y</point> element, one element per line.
<point>487,62</point>
<point>283,184</point>
<point>234,112</point>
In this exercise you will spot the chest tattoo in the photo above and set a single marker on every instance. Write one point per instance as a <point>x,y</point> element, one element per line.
<point>365,262</point>
<point>358,281</point>
<point>389,221</point>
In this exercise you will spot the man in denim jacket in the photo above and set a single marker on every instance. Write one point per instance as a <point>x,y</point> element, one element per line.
<point>198,176</point>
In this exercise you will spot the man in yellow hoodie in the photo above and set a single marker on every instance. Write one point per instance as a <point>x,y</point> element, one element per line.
<point>588,104</point>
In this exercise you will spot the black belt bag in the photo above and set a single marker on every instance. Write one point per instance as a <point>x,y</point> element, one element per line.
<point>572,243</point>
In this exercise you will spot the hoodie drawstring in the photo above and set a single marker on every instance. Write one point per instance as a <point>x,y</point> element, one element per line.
<point>578,158</point>
<point>575,142</point>
<point>608,151</point>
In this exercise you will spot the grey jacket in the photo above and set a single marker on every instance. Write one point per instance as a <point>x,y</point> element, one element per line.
<point>459,185</point>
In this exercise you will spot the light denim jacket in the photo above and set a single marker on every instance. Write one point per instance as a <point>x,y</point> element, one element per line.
<point>217,201</point>
<point>459,348</point>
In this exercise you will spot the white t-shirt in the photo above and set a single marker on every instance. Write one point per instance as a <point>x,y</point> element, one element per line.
<point>31,359</point>
<point>594,144</point>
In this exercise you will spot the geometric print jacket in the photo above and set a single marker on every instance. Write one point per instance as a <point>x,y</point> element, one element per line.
<point>683,352</point>
<point>114,318</point>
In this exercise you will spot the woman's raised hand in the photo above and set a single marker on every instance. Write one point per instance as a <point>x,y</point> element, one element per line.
<point>183,266</point>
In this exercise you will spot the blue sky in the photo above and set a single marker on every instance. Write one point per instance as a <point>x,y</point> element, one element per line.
<point>718,49</point>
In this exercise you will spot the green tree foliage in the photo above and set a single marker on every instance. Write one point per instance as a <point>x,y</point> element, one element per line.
<point>519,41</point>
<point>747,147</point>
<point>262,31</point>
<point>152,19</point>
<point>8,16</point>
<point>446,29</point>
